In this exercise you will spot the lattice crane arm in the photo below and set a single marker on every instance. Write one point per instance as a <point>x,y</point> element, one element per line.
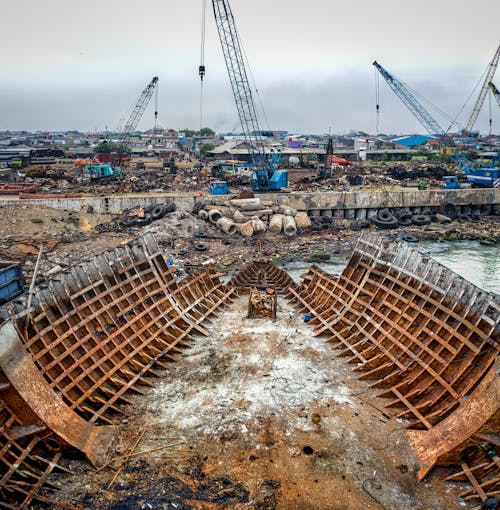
<point>233,55</point>
<point>423,116</point>
<point>137,111</point>
<point>411,102</point>
<point>490,73</point>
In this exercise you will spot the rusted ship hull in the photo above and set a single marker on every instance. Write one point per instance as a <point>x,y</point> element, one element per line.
<point>425,338</point>
<point>92,338</point>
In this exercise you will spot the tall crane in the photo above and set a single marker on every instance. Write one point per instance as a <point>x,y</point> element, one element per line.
<point>264,177</point>
<point>490,73</point>
<point>411,102</point>
<point>495,92</point>
<point>126,129</point>
<point>488,177</point>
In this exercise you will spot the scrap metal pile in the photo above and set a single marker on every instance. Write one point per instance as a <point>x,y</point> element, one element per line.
<point>262,304</point>
<point>101,332</point>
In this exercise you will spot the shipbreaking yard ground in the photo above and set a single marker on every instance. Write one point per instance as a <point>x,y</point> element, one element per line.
<point>351,399</point>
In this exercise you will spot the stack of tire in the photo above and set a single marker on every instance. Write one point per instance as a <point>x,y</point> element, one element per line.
<point>385,220</point>
<point>151,213</point>
<point>321,222</point>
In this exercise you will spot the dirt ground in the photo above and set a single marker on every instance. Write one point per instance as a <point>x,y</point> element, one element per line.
<point>260,415</point>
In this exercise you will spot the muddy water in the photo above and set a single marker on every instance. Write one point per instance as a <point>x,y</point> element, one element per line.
<point>333,266</point>
<point>477,263</point>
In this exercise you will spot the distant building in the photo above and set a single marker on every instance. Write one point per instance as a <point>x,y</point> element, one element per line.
<point>412,140</point>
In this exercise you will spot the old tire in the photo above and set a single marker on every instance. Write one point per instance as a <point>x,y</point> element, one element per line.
<point>127,221</point>
<point>169,207</point>
<point>200,247</point>
<point>450,210</point>
<point>405,220</point>
<point>198,207</point>
<point>409,238</point>
<point>158,212</point>
<point>385,215</point>
<point>359,225</point>
<point>142,222</point>
<point>421,219</point>
<point>386,225</point>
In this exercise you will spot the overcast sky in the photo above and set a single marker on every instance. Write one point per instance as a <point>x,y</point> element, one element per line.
<point>75,64</point>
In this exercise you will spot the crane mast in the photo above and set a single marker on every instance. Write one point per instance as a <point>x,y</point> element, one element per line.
<point>138,111</point>
<point>495,92</point>
<point>492,67</point>
<point>423,116</point>
<point>242,92</point>
<point>411,102</point>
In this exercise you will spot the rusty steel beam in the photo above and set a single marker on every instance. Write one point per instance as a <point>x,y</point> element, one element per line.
<point>23,375</point>
<point>422,335</point>
<point>474,412</point>
<point>106,324</point>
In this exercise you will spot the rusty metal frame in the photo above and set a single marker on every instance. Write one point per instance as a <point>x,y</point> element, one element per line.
<point>425,336</point>
<point>96,334</point>
<point>262,273</point>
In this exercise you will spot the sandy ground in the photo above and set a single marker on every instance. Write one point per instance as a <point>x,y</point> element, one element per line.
<point>261,415</point>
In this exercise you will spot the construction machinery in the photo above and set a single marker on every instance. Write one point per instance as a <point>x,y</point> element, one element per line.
<point>411,102</point>
<point>100,173</point>
<point>127,125</point>
<point>490,73</point>
<point>265,177</point>
<point>488,177</point>
<point>275,158</point>
<point>495,92</point>
<point>328,159</point>
<point>231,170</point>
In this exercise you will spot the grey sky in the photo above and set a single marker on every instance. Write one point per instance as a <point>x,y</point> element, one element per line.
<point>81,64</point>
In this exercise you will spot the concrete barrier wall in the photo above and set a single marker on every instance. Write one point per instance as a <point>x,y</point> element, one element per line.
<point>318,201</point>
<point>382,199</point>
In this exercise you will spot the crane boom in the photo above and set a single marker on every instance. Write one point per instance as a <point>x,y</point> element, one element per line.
<point>428,122</point>
<point>137,111</point>
<point>494,91</point>
<point>233,55</point>
<point>411,102</point>
<point>492,67</point>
